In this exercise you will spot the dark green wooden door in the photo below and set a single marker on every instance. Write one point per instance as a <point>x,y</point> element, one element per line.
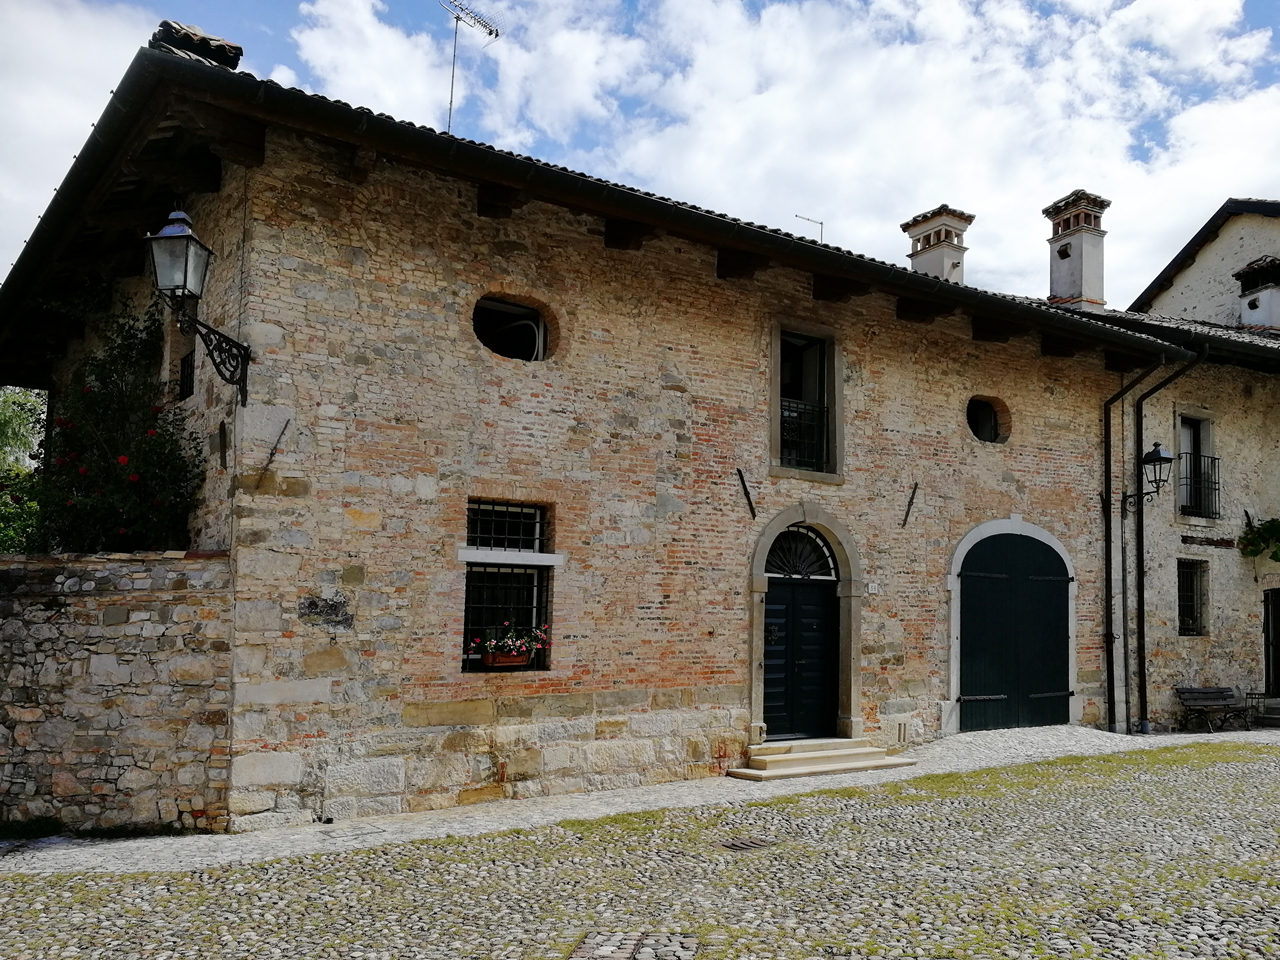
<point>1015,642</point>
<point>801,646</point>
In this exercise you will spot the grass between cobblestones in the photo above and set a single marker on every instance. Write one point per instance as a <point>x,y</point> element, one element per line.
<point>1161,853</point>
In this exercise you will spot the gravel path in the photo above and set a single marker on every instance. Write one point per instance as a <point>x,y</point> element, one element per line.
<point>1156,853</point>
<point>956,754</point>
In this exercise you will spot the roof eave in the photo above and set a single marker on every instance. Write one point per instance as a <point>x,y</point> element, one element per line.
<point>298,110</point>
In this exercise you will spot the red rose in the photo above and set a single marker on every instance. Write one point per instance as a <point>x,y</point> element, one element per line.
<point>151,433</point>
<point>15,498</point>
<point>71,503</point>
<point>156,502</point>
<point>122,460</point>
<point>58,421</point>
<point>73,455</point>
<point>123,531</point>
<point>60,461</point>
<point>84,471</point>
<point>157,409</point>
<point>87,390</point>
<point>133,478</point>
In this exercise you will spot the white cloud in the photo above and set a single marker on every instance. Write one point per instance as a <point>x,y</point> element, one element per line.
<point>53,90</point>
<point>355,56</point>
<point>857,112</point>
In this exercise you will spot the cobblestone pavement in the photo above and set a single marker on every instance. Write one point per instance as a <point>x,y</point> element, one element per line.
<point>955,754</point>
<point>1153,853</point>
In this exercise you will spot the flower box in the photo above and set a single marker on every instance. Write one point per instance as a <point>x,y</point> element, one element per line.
<point>505,659</point>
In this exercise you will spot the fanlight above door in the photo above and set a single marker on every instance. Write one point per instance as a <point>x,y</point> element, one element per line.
<point>800,551</point>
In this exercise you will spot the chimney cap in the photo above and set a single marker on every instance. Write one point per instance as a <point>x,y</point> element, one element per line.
<point>1256,266</point>
<point>1076,198</point>
<point>179,36</point>
<point>942,210</point>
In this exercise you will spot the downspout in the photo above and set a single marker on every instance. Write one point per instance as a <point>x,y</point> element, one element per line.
<point>1140,555</point>
<point>1109,589</point>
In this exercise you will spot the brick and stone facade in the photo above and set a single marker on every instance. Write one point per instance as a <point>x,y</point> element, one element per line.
<point>115,705</point>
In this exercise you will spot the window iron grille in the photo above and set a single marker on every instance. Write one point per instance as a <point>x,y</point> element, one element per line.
<point>498,598</point>
<point>1198,487</point>
<point>187,376</point>
<point>804,435</point>
<point>1193,577</point>
<point>506,526</point>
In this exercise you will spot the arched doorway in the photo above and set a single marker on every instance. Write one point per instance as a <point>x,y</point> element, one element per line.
<point>1014,634</point>
<point>802,636</point>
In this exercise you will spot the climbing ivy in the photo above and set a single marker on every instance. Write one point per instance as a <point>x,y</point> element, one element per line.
<point>1261,537</point>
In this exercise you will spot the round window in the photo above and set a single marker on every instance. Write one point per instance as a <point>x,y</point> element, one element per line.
<point>988,419</point>
<point>510,329</point>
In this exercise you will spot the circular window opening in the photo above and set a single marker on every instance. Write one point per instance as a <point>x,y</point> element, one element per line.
<point>988,419</point>
<point>510,329</point>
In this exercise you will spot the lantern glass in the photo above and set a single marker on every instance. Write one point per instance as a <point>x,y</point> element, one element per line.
<point>180,260</point>
<point>197,267</point>
<point>169,257</point>
<point>1156,464</point>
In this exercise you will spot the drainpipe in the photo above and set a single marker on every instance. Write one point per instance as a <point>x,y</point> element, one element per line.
<point>1109,589</point>
<point>1140,555</point>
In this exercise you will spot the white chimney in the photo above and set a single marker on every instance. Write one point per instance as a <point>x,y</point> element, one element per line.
<point>1075,250</point>
<point>1260,292</point>
<point>937,242</point>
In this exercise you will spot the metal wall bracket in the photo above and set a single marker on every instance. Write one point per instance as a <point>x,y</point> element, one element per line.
<point>230,357</point>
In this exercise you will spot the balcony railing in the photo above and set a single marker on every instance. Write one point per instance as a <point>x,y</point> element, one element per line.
<point>804,435</point>
<point>1198,488</point>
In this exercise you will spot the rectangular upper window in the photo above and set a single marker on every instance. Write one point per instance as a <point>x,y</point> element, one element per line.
<point>804,403</point>
<point>1198,486</point>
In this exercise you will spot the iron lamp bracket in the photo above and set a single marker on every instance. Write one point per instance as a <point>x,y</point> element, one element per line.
<point>230,357</point>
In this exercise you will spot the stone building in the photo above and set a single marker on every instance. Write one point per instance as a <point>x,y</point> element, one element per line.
<point>757,488</point>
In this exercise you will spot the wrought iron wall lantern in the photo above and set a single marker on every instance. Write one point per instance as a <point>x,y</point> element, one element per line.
<point>1156,465</point>
<point>181,264</point>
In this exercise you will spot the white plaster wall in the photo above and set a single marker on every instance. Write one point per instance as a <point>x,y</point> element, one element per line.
<point>1205,289</point>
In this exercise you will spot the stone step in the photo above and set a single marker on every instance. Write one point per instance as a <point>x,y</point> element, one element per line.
<point>816,758</point>
<point>804,746</point>
<point>851,766</point>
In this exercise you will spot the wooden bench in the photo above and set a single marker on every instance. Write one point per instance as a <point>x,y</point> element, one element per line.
<point>1205,702</point>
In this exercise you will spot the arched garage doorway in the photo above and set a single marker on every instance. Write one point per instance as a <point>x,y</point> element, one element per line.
<point>1012,638</point>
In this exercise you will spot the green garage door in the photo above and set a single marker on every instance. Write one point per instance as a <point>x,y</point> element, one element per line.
<point>1015,639</point>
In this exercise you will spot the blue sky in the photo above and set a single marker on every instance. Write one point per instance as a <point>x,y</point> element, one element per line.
<point>860,113</point>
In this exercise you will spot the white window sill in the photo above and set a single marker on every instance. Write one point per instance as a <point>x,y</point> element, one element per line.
<point>512,558</point>
<point>812,475</point>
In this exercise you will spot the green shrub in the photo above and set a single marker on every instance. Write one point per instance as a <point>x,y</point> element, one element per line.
<point>119,471</point>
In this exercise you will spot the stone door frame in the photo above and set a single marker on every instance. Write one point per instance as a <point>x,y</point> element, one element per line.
<point>849,592</point>
<point>1019,527</point>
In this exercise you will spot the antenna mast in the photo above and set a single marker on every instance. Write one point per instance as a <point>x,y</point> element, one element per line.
<point>461,13</point>
<point>811,220</point>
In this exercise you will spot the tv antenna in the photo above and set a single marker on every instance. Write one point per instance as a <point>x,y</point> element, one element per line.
<point>461,14</point>
<point>811,220</point>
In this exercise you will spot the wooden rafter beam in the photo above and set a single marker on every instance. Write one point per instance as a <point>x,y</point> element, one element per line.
<point>988,330</point>
<point>622,234</point>
<point>232,136</point>
<point>738,264</point>
<point>499,202</point>
<point>921,311</point>
<point>838,289</point>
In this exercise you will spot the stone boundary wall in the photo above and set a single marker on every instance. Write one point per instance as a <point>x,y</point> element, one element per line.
<point>115,689</point>
<point>472,751</point>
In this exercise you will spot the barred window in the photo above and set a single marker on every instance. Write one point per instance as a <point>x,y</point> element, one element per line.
<point>505,600</point>
<point>1193,585</point>
<point>506,526</point>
